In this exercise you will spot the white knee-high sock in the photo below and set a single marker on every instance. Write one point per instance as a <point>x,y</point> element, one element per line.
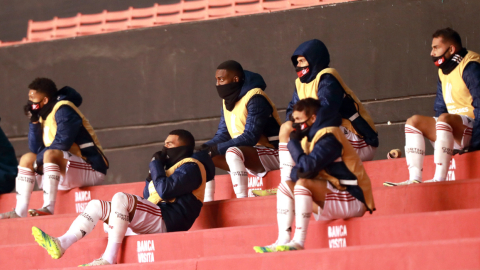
<point>443,150</point>
<point>51,179</point>
<point>122,205</point>
<point>24,184</point>
<point>303,211</point>
<point>209,191</point>
<point>286,162</point>
<point>414,152</point>
<point>285,213</point>
<point>96,210</point>
<point>238,171</point>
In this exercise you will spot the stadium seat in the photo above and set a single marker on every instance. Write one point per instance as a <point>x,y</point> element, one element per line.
<point>167,14</point>
<point>41,30</point>
<point>66,27</point>
<point>91,23</point>
<point>143,17</point>
<point>243,7</point>
<point>194,10</point>
<point>220,8</point>
<point>117,20</point>
<point>11,43</point>
<point>276,5</point>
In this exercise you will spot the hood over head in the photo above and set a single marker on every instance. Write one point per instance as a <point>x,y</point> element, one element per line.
<point>316,54</point>
<point>252,80</point>
<point>324,119</point>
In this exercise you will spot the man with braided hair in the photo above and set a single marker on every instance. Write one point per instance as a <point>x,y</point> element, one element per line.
<point>172,200</point>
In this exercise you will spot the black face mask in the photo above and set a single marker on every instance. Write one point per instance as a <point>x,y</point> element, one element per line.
<point>301,130</point>
<point>448,65</point>
<point>176,154</point>
<point>46,109</point>
<point>229,93</point>
<point>302,73</point>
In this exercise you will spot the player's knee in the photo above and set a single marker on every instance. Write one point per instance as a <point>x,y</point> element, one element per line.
<point>120,198</point>
<point>446,118</point>
<point>301,182</point>
<point>285,130</point>
<point>414,121</point>
<point>234,154</point>
<point>93,205</point>
<point>52,156</point>
<point>27,160</point>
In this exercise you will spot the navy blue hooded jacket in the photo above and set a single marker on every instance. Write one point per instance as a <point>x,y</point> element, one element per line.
<point>326,150</point>
<point>471,77</point>
<point>70,130</point>
<point>259,120</point>
<point>330,92</point>
<point>8,164</point>
<point>182,213</point>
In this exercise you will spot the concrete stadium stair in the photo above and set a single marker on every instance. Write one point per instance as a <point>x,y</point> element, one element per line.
<point>386,230</point>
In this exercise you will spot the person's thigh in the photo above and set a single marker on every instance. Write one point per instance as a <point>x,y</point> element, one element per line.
<point>426,124</point>
<point>220,162</point>
<point>79,173</point>
<point>317,187</point>
<point>147,218</point>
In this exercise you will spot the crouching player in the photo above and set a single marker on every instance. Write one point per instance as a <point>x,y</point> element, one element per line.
<point>247,136</point>
<point>175,188</point>
<point>328,172</point>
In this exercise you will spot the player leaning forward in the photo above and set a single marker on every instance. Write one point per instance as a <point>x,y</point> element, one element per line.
<point>63,147</point>
<point>327,171</point>
<point>457,106</point>
<point>247,135</point>
<point>175,188</point>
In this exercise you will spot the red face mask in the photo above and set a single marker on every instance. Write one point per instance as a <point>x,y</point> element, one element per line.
<point>302,71</point>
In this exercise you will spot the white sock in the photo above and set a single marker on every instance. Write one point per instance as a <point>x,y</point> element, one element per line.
<point>24,184</point>
<point>51,179</point>
<point>414,152</point>
<point>209,191</point>
<point>443,150</point>
<point>122,205</point>
<point>238,172</point>
<point>85,222</point>
<point>303,211</point>
<point>286,162</point>
<point>285,213</point>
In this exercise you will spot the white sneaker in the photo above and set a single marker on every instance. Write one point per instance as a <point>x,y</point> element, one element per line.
<point>404,183</point>
<point>8,215</point>
<point>99,261</point>
<point>433,181</point>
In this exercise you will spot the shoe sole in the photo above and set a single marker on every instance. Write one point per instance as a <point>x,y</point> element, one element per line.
<point>262,249</point>
<point>36,213</point>
<point>286,248</point>
<point>391,184</point>
<point>46,241</point>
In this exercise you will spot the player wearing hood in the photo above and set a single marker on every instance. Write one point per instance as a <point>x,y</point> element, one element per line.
<point>247,136</point>
<point>8,164</point>
<point>455,128</point>
<point>316,80</point>
<point>172,200</point>
<point>65,152</point>
<point>327,171</point>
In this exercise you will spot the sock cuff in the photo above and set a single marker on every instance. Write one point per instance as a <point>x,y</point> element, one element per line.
<point>283,188</point>
<point>412,130</point>
<point>282,147</point>
<point>25,171</point>
<point>442,126</point>
<point>51,168</point>
<point>235,151</point>
<point>301,190</point>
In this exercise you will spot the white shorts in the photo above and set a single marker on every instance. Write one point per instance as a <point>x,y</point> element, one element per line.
<point>77,174</point>
<point>467,133</point>
<point>365,152</point>
<point>269,159</point>
<point>148,218</point>
<point>340,205</point>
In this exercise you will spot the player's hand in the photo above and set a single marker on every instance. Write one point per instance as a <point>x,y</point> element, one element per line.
<point>31,114</point>
<point>213,151</point>
<point>460,152</point>
<point>285,130</point>
<point>160,156</point>
<point>37,168</point>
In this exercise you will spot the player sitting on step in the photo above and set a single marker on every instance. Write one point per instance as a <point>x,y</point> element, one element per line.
<point>174,187</point>
<point>65,152</point>
<point>457,106</point>
<point>328,172</point>
<point>247,136</point>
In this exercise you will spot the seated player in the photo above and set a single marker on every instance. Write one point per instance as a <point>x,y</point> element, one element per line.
<point>316,80</point>
<point>8,164</point>
<point>457,106</point>
<point>65,151</point>
<point>175,188</point>
<point>328,172</point>
<point>247,136</point>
